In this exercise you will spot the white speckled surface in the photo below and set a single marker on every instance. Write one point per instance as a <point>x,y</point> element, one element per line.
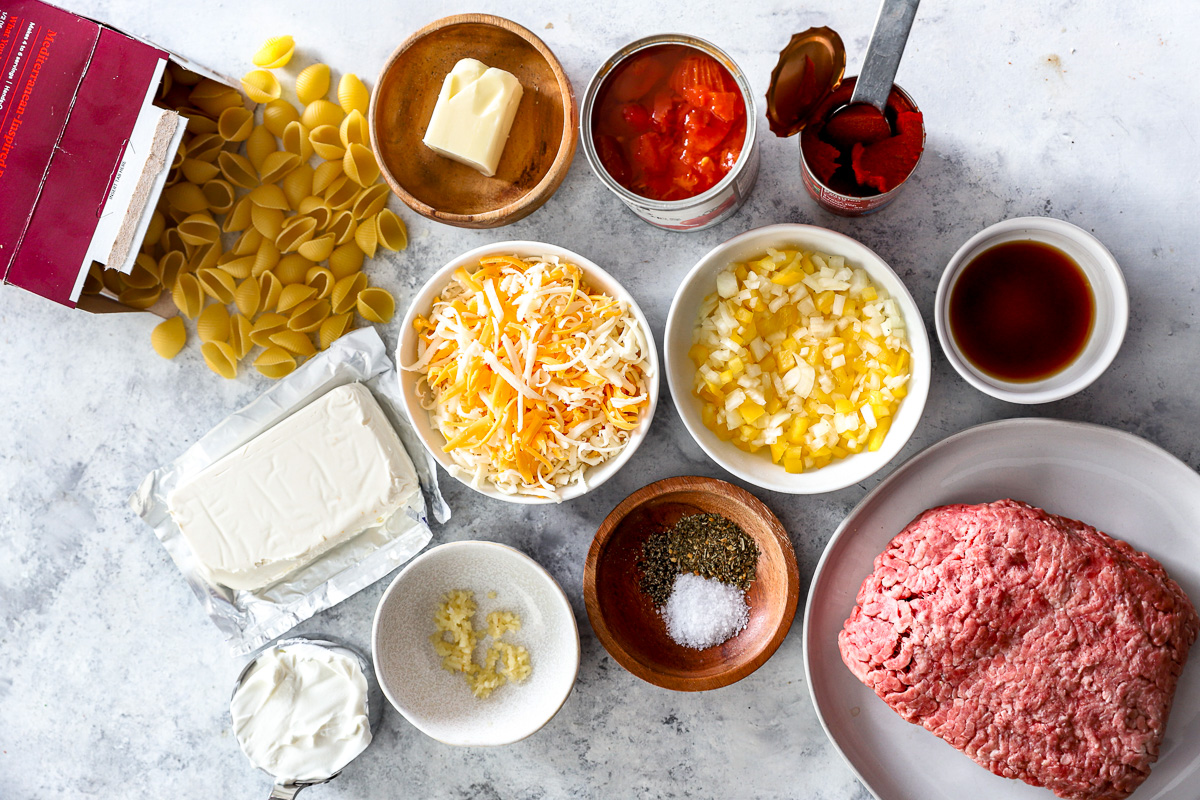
<point>112,682</point>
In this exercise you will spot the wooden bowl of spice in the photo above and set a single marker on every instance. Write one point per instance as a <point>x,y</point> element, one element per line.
<point>691,583</point>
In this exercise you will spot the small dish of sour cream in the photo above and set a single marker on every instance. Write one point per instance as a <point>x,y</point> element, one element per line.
<point>303,709</point>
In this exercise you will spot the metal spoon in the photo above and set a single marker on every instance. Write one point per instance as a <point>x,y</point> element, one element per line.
<point>874,83</point>
<point>287,789</point>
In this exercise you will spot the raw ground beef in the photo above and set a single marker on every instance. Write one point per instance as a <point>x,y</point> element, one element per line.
<point>1042,648</point>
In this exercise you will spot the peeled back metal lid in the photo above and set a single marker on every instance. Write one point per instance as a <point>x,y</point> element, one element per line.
<point>810,68</point>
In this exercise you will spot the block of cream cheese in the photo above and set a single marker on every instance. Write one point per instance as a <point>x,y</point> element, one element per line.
<point>474,114</point>
<point>318,478</point>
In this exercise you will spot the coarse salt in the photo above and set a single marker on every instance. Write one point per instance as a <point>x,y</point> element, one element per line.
<point>703,612</point>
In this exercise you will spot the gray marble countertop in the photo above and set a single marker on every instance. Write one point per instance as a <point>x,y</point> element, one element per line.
<point>114,684</point>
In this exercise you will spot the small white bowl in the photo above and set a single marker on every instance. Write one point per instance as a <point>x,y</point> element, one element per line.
<point>757,468</point>
<point>406,353</point>
<point>438,702</point>
<point>1108,289</point>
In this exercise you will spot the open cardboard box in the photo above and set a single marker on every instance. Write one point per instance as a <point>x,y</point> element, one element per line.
<point>88,132</point>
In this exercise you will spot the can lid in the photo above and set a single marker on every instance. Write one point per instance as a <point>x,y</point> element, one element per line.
<point>810,68</point>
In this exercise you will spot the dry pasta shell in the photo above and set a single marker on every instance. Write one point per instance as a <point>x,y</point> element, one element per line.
<point>332,329</point>
<point>345,292</point>
<point>360,166</point>
<point>346,259</point>
<point>278,165</point>
<point>376,305</point>
<point>391,230</point>
<point>354,129</point>
<point>188,295</point>
<point>342,226</point>
<point>370,201</point>
<point>271,289</point>
<point>261,86</point>
<point>295,140</point>
<point>186,197</point>
<point>144,273</point>
<point>297,185</point>
<point>220,358</point>
<point>260,144</point>
<point>212,98</point>
<point>155,229</point>
<point>240,267</point>
<point>295,234</point>
<point>276,52</point>
<point>183,75</point>
<point>319,210</point>
<point>198,121</point>
<point>293,295</point>
<point>140,298</point>
<point>317,249</point>
<point>341,193</point>
<point>308,316</point>
<point>269,196</point>
<point>352,94</point>
<point>237,170</point>
<point>205,147</point>
<point>113,280</point>
<point>294,342</point>
<point>248,243</point>
<point>199,229</point>
<point>176,215</point>
<point>266,258</point>
<point>217,284</point>
<point>292,268</point>
<point>277,114</point>
<point>367,236</point>
<point>239,335</point>
<point>170,266</point>
<point>169,337</point>
<point>326,142</point>
<point>235,124</point>
<point>275,362</point>
<point>325,174</point>
<point>321,112</point>
<point>213,323</point>
<point>265,326</point>
<point>321,279</point>
<point>219,194</point>
<point>312,83</point>
<point>204,256</point>
<point>238,217</point>
<point>198,171</point>
<point>267,221</point>
<point>171,241</point>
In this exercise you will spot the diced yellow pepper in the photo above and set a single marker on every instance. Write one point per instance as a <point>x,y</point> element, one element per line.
<point>875,441</point>
<point>736,365</point>
<point>793,460</point>
<point>699,354</point>
<point>751,411</point>
<point>798,429</point>
<point>843,406</point>
<point>778,447</point>
<point>825,302</point>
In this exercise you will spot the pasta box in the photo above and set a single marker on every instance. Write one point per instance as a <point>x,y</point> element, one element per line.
<point>88,133</point>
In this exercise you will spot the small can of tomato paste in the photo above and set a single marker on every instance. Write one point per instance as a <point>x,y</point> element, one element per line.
<point>851,205</point>
<point>668,125</point>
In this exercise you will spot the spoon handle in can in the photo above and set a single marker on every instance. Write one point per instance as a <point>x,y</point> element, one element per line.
<point>884,51</point>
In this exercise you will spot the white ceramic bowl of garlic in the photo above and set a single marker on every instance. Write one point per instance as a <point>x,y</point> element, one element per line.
<point>758,468</point>
<point>440,703</point>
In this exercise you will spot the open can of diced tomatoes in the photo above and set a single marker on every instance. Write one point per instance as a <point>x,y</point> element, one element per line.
<point>668,124</point>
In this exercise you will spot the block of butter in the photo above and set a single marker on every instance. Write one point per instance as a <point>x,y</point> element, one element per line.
<point>474,114</point>
<point>318,478</point>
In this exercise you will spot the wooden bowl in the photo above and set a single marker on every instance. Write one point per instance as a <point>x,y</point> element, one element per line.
<point>540,146</point>
<point>626,621</point>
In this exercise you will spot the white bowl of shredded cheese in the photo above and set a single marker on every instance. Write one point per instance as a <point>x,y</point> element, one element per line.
<point>862,439</point>
<point>519,383</point>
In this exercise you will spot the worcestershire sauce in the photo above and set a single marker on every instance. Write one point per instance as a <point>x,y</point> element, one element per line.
<point>1021,311</point>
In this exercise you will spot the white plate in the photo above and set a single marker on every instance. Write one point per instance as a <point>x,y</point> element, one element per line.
<point>1112,480</point>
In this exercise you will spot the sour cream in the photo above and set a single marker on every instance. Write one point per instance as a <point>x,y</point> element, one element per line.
<point>301,712</point>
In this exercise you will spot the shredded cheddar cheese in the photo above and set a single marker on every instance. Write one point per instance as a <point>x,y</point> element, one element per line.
<point>529,375</point>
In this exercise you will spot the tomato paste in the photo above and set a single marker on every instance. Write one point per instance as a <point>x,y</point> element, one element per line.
<point>669,122</point>
<point>855,150</point>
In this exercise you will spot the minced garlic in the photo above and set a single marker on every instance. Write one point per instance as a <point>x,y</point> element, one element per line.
<point>456,639</point>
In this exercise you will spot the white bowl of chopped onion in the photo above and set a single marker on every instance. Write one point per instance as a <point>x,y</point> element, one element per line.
<point>797,358</point>
<point>520,383</point>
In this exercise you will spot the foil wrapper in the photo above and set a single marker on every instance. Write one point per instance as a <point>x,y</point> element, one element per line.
<point>248,619</point>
